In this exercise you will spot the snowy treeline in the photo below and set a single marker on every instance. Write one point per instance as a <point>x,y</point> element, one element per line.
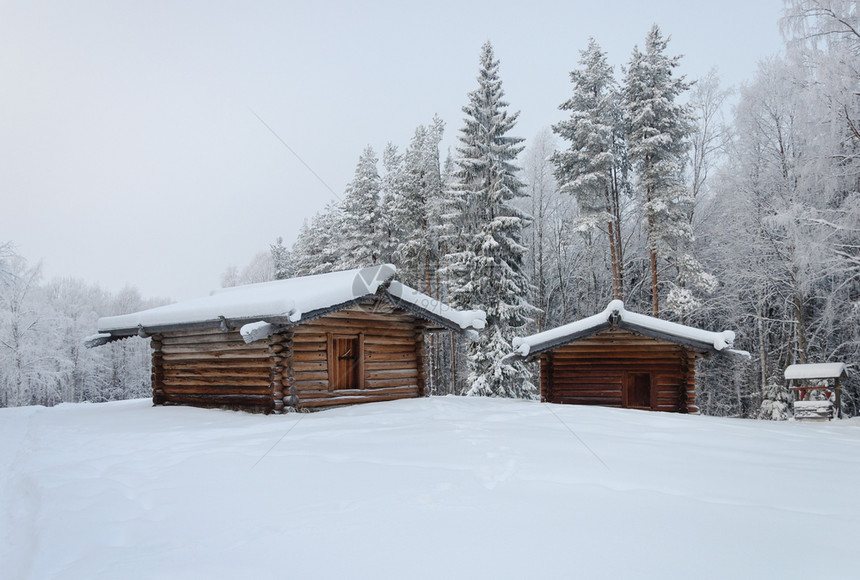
<point>453,230</point>
<point>649,190</point>
<point>43,360</point>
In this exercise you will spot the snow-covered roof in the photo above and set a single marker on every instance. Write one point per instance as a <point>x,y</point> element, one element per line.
<point>423,305</point>
<point>816,371</point>
<point>616,315</point>
<point>261,309</point>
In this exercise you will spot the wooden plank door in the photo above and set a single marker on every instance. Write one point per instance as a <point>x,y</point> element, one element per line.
<point>638,390</point>
<point>345,362</point>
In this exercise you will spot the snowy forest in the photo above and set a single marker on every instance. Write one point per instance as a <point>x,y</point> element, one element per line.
<point>712,206</point>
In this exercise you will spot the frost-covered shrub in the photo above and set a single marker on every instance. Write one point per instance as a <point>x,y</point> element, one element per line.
<point>776,401</point>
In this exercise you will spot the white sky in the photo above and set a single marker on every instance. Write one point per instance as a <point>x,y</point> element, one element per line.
<point>129,148</point>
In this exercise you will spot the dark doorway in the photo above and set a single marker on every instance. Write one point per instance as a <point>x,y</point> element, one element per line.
<point>639,390</point>
<point>345,363</point>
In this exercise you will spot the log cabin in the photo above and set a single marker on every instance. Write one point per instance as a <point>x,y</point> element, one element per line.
<point>622,359</point>
<point>304,343</point>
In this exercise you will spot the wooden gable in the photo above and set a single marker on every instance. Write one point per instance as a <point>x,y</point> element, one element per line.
<point>619,368</point>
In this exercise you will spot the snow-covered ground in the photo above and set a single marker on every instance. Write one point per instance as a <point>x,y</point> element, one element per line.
<point>427,488</point>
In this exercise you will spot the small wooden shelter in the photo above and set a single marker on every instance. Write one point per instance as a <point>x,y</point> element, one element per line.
<point>622,359</point>
<point>798,377</point>
<point>331,339</point>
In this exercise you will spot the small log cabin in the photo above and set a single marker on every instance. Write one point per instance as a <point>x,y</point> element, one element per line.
<point>622,359</point>
<point>304,343</point>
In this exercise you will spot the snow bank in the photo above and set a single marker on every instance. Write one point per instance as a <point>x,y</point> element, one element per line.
<point>424,488</point>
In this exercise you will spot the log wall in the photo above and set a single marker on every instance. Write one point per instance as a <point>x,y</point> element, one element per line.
<point>393,365</point>
<point>595,370</point>
<point>211,368</point>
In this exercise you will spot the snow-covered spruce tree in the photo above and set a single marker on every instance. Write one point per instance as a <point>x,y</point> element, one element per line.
<point>390,186</point>
<point>317,250</point>
<point>592,168</point>
<point>776,401</point>
<point>658,130</point>
<point>487,262</point>
<point>415,208</point>
<point>361,231</point>
<point>281,260</point>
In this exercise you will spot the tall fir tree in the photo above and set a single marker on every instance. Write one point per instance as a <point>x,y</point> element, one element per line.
<point>414,207</point>
<point>281,260</point>
<point>487,260</point>
<point>390,186</point>
<point>658,131</point>
<point>317,250</point>
<point>361,225</point>
<point>592,168</point>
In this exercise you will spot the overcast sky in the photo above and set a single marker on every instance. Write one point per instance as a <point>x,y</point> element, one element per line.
<point>130,152</point>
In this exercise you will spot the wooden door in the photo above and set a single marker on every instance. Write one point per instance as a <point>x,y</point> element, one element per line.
<point>638,390</point>
<point>345,362</point>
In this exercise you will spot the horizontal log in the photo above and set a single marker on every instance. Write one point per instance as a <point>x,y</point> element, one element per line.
<point>384,315</point>
<point>391,374</point>
<point>307,356</point>
<point>385,365</point>
<point>603,402</point>
<point>219,390</point>
<point>261,349</point>
<point>587,393</point>
<point>310,375</point>
<point>370,356</point>
<point>571,370</point>
<point>369,398</point>
<point>388,340</point>
<point>215,380</point>
<point>220,338</point>
<point>234,355</point>
<point>310,346</point>
<point>299,367</point>
<point>353,325</point>
<point>611,358</point>
<point>581,349</point>
<point>311,385</point>
<point>324,393</point>
<point>560,377</point>
<point>380,383</point>
<point>244,365</point>
<point>256,401</point>
<point>214,331</point>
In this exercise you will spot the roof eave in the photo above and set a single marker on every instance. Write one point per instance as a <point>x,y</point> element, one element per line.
<point>283,322</point>
<point>702,348</point>
<point>538,349</point>
<point>423,313</point>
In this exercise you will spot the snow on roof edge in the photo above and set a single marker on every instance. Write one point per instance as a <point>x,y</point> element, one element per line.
<point>815,371</point>
<point>523,346</point>
<point>464,319</point>
<point>290,298</point>
<point>256,306</point>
